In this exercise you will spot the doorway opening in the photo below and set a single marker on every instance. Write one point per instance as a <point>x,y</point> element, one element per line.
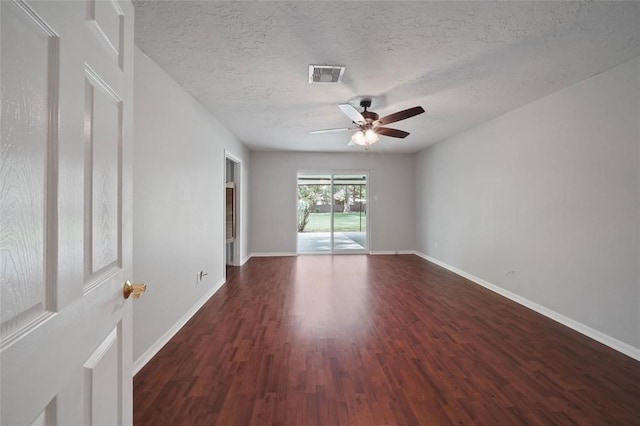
<point>332,212</point>
<point>232,173</point>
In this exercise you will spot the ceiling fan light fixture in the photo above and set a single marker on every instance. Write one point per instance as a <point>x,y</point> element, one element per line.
<point>366,138</point>
<point>371,137</point>
<point>359,138</point>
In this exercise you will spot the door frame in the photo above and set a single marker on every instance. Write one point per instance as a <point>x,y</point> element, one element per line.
<point>237,178</point>
<point>331,173</point>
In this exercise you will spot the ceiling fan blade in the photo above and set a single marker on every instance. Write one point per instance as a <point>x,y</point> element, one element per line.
<point>394,133</point>
<point>352,113</point>
<point>342,129</point>
<point>400,115</point>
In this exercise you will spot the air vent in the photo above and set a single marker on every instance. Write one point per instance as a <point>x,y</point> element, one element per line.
<point>319,74</point>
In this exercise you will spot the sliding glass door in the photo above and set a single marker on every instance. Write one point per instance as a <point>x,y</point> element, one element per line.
<point>314,213</point>
<point>349,213</point>
<point>332,212</point>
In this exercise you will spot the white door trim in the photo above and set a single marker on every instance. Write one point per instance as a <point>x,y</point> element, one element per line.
<point>237,177</point>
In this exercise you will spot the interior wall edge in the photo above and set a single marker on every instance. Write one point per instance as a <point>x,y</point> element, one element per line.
<point>139,363</point>
<point>178,216</point>
<point>544,201</point>
<point>594,334</point>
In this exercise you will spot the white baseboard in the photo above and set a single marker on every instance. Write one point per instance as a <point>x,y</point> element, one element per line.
<point>164,339</point>
<point>372,252</point>
<point>603,338</point>
<point>245,260</point>
<point>388,252</point>
<point>406,252</point>
<point>272,254</point>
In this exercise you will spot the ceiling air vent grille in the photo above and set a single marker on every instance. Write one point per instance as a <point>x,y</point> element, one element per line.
<point>319,74</point>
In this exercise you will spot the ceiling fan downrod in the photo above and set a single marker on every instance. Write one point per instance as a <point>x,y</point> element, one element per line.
<point>369,116</point>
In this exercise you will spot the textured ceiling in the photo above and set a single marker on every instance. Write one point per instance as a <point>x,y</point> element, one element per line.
<point>464,62</point>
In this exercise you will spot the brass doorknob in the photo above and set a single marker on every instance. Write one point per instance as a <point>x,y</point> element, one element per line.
<point>135,289</point>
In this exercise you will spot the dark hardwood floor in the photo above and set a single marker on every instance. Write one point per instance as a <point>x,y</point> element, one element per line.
<point>377,340</point>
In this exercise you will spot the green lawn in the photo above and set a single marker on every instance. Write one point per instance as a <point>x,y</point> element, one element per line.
<point>343,222</point>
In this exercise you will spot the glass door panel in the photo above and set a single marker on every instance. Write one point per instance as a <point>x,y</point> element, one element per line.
<point>314,213</point>
<point>350,213</point>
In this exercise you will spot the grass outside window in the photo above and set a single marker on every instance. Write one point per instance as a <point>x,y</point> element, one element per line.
<point>343,222</point>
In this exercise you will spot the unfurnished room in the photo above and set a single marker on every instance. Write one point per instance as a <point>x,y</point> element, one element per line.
<point>319,212</point>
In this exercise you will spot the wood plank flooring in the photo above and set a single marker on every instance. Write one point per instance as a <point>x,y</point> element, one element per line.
<point>377,340</point>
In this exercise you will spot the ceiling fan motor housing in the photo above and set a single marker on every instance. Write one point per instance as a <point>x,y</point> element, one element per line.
<point>369,116</point>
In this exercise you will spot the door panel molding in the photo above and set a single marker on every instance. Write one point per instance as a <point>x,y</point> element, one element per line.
<point>103,190</point>
<point>28,171</point>
<point>106,21</point>
<point>101,381</point>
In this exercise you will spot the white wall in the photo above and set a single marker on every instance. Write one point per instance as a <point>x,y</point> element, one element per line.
<point>273,197</point>
<point>550,191</point>
<point>179,161</point>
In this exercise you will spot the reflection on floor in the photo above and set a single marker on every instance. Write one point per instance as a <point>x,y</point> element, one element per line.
<point>310,242</point>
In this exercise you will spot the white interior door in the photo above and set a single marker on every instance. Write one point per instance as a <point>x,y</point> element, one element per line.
<point>65,193</point>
